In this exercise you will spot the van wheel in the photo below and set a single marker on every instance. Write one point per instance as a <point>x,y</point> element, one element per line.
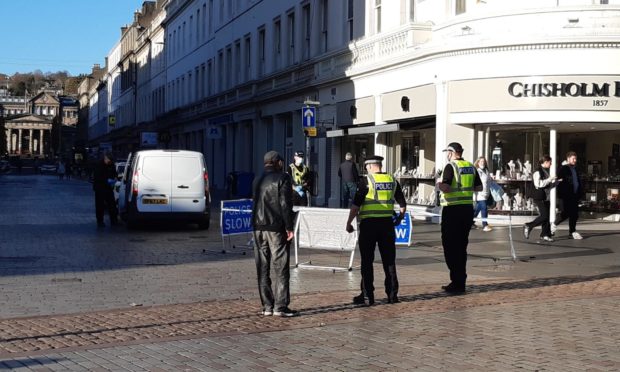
<point>204,225</point>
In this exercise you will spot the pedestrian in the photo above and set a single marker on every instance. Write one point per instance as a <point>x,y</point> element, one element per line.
<point>68,170</point>
<point>374,205</point>
<point>349,178</point>
<point>300,174</point>
<point>272,221</point>
<point>481,197</point>
<point>104,178</point>
<point>543,183</point>
<point>457,185</point>
<point>569,191</point>
<point>61,169</point>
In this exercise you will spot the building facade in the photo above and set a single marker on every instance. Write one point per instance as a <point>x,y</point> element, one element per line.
<point>507,79</point>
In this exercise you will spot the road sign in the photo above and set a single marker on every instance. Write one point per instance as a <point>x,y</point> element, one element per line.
<point>236,216</point>
<point>308,117</point>
<point>310,131</point>
<point>403,231</point>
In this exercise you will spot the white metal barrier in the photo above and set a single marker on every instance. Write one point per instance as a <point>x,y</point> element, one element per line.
<point>324,228</point>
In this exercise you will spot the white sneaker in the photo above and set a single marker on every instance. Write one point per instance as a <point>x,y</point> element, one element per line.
<point>547,238</point>
<point>576,236</point>
<point>487,228</point>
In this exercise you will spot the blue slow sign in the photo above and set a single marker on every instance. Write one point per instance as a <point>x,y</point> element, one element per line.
<point>236,216</point>
<point>403,231</point>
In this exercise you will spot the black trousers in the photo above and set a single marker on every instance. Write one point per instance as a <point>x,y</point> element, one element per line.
<point>456,223</point>
<point>542,219</point>
<point>570,211</point>
<point>300,201</point>
<point>378,231</point>
<point>104,199</point>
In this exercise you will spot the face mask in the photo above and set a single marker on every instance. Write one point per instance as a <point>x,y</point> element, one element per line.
<point>298,162</point>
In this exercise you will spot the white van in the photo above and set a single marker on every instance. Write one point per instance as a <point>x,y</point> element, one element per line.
<point>165,185</point>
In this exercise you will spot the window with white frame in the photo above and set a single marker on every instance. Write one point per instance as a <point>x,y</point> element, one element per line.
<point>197,85</point>
<point>261,51</point>
<point>377,16</point>
<point>203,80</point>
<point>209,78</point>
<point>238,62</point>
<point>229,67</point>
<point>291,38</point>
<point>248,57</point>
<point>307,28</point>
<point>324,24</point>
<point>222,11</point>
<point>190,31</point>
<point>350,19</point>
<point>220,80</point>
<point>198,36</point>
<point>184,49</point>
<point>210,17</point>
<point>204,25</point>
<point>604,2</point>
<point>277,43</point>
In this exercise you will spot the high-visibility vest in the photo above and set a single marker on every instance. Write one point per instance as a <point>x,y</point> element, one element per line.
<point>379,201</point>
<point>462,186</point>
<point>298,175</point>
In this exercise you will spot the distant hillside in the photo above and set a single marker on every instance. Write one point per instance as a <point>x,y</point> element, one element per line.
<point>31,82</point>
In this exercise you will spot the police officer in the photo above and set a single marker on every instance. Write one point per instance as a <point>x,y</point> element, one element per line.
<point>374,204</point>
<point>300,173</point>
<point>457,185</point>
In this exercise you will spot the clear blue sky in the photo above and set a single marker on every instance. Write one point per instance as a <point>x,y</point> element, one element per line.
<point>59,35</point>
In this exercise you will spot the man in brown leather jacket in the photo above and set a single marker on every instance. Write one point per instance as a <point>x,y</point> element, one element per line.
<point>272,220</point>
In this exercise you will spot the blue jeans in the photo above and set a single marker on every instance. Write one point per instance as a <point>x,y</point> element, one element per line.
<point>347,194</point>
<point>481,207</point>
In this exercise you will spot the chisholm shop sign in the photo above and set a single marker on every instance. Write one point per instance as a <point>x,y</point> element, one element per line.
<point>518,90</point>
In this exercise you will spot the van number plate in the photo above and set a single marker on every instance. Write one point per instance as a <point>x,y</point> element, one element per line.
<point>154,201</point>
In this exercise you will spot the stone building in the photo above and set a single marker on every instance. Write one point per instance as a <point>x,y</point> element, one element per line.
<point>398,78</point>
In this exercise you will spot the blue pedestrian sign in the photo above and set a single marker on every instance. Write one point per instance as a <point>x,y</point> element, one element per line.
<point>403,231</point>
<point>308,117</point>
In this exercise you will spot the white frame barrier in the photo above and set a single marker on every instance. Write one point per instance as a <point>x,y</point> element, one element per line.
<point>324,228</point>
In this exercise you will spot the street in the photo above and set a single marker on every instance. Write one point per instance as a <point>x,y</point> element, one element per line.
<point>159,298</point>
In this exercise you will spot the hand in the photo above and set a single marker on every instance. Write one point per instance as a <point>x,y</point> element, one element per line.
<point>398,219</point>
<point>350,228</point>
<point>289,236</point>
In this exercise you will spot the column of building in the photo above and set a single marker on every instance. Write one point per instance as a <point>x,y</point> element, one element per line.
<point>19,142</point>
<point>41,141</point>
<point>8,141</point>
<point>30,139</point>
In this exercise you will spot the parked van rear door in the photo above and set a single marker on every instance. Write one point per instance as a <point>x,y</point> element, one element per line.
<point>188,190</point>
<point>154,175</point>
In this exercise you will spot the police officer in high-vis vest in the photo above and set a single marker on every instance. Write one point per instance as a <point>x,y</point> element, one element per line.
<point>300,174</point>
<point>457,185</point>
<point>374,205</point>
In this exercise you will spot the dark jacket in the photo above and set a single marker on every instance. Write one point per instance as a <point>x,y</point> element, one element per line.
<point>348,172</point>
<point>565,188</point>
<point>272,209</point>
<point>101,174</point>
